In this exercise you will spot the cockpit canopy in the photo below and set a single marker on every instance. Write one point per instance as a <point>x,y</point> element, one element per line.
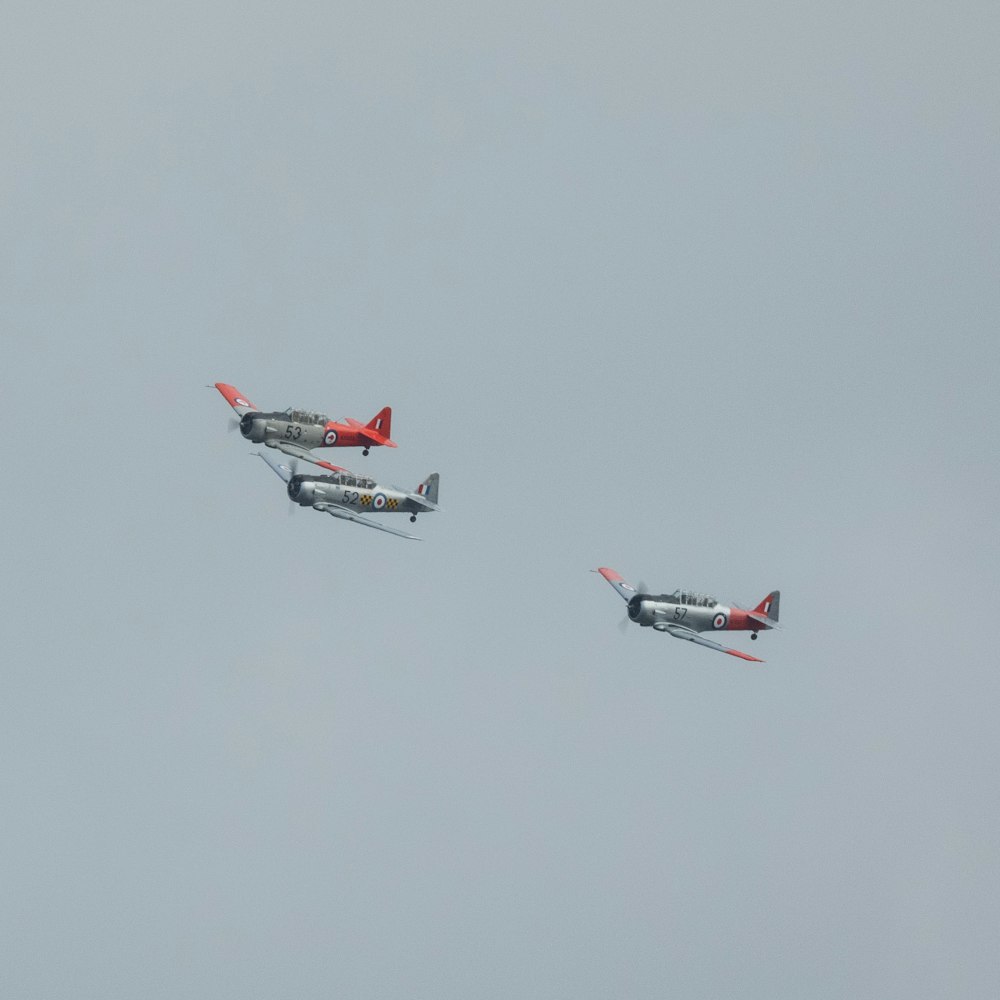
<point>690,598</point>
<point>349,479</point>
<point>306,417</point>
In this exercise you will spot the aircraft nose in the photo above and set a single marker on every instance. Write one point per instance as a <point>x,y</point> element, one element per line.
<point>301,492</point>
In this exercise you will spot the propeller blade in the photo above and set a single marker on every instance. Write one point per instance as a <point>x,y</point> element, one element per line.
<point>293,468</point>
<point>233,425</point>
<point>643,589</point>
<point>623,625</point>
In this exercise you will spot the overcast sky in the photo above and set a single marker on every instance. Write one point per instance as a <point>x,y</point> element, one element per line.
<point>708,294</point>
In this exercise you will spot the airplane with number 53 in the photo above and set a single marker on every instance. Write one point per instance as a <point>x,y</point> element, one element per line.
<point>350,497</point>
<point>685,615</point>
<point>296,432</point>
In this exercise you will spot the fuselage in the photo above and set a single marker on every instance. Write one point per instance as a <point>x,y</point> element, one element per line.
<point>697,612</point>
<point>347,490</point>
<point>301,428</point>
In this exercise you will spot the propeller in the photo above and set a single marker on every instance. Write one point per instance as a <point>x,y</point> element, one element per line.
<point>293,467</point>
<point>232,425</point>
<point>641,588</point>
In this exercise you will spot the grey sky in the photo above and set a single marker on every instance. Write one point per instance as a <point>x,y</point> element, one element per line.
<point>708,295</point>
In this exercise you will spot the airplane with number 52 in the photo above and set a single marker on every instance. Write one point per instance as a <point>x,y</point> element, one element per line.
<point>350,497</point>
<point>685,615</point>
<point>296,432</point>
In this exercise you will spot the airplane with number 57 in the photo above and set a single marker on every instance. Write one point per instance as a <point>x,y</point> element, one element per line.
<point>685,615</point>
<point>349,497</point>
<point>296,432</point>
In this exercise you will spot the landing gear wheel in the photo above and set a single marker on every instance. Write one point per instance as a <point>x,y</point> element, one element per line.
<point>753,635</point>
<point>413,517</point>
<point>365,452</point>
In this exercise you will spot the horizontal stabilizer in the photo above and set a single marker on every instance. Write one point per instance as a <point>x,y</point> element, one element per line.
<point>763,619</point>
<point>423,502</point>
<point>377,430</point>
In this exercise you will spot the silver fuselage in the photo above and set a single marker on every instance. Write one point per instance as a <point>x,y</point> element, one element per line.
<point>309,432</point>
<point>357,492</point>
<point>659,611</point>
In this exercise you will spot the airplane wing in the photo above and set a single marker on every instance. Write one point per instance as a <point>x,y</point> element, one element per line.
<point>625,590</point>
<point>348,515</point>
<point>234,398</point>
<point>297,451</point>
<point>679,632</point>
<point>280,469</point>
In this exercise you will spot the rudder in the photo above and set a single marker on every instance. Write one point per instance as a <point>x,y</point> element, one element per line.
<point>428,489</point>
<point>769,606</point>
<point>381,423</point>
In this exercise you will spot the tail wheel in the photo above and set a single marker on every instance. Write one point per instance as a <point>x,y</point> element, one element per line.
<point>753,635</point>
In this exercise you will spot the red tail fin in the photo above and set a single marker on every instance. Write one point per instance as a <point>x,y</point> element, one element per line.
<point>769,606</point>
<point>376,431</point>
<point>381,423</point>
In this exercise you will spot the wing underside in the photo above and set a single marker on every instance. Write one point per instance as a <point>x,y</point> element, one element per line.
<point>348,515</point>
<point>679,632</point>
<point>297,451</point>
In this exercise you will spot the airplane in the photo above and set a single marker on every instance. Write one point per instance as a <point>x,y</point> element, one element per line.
<point>295,432</point>
<point>684,615</point>
<point>345,495</point>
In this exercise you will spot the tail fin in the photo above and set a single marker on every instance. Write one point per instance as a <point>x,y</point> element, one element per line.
<point>381,423</point>
<point>376,431</point>
<point>769,606</point>
<point>428,489</point>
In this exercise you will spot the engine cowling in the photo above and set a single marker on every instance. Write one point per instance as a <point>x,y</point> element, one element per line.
<point>253,427</point>
<point>642,610</point>
<point>301,491</point>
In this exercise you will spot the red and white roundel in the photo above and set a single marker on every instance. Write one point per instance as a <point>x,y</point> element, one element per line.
<point>240,401</point>
<point>379,501</point>
<point>330,437</point>
<point>720,621</point>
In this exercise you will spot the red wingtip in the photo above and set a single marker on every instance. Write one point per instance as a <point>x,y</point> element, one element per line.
<point>744,656</point>
<point>233,396</point>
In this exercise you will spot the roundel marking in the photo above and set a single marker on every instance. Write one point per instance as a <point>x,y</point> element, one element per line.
<point>330,437</point>
<point>379,501</point>
<point>720,621</point>
<point>625,586</point>
<point>240,401</point>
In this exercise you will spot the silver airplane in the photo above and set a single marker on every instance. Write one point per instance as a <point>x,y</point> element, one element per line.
<point>345,495</point>
<point>684,615</point>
